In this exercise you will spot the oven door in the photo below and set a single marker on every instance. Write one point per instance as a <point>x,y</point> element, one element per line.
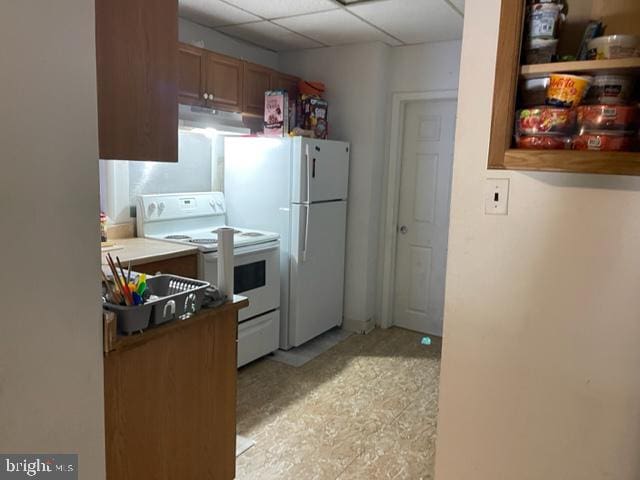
<point>256,275</point>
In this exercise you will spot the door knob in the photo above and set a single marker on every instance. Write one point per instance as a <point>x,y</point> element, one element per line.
<point>403,229</point>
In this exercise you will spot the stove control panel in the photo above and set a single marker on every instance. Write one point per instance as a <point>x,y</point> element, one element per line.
<point>178,206</point>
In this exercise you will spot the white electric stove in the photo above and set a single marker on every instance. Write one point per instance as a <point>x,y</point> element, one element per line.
<point>193,218</point>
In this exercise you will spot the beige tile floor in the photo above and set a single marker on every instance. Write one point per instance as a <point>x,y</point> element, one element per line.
<point>366,409</point>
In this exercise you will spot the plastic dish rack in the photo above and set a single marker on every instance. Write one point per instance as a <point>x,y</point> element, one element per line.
<point>174,297</point>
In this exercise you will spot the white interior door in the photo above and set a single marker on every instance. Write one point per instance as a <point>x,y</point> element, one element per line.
<point>423,215</point>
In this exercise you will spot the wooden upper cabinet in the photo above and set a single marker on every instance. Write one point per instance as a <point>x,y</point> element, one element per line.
<point>286,82</point>
<point>137,79</point>
<point>257,80</point>
<point>191,76</point>
<point>223,82</point>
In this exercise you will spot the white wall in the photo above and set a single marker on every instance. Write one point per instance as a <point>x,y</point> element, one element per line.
<point>428,66</point>
<point>51,392</point>
<point>190,32</point>
<point>356,77</point>
<point>540,364</point>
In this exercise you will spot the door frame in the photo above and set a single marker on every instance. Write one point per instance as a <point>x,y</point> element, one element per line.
<point>389,241</point>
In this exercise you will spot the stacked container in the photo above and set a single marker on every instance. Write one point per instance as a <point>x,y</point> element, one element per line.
<point>609,119</point>
<point>542,24</point>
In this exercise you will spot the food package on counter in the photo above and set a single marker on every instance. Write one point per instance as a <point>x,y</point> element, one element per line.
<point>543,142</point>
<point>567,90</point>
<point>313,115</point>
<point>541,120</point>
<point>605,141</point>
<point>608,117</point>
<point>611,89</point>
<point>276,113</point>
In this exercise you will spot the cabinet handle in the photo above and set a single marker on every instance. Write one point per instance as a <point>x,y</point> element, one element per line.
<point>205,96</point>
<point>211,96</point>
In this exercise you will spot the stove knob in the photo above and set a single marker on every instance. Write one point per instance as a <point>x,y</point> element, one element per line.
<point>220,205</point>
<point>161,206</point>
<point>151,208</point>
<point>212,205</point>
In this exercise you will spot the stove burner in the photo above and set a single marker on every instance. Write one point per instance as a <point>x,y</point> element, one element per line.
<point>252,234</point>
<point>178,237</point>
<point>202,241</point>
<point>235,232</point>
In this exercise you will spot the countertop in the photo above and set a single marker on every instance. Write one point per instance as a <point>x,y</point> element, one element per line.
<point>116,343</point>
<point>145,250</point>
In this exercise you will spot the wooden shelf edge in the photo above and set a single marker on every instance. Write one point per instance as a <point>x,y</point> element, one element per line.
<point>572,161</point>
<point>622,65</point>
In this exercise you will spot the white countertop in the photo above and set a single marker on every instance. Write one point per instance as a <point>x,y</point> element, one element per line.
<point>144,250</point>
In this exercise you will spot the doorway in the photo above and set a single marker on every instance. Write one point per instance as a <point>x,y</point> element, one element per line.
<point>418,211</point>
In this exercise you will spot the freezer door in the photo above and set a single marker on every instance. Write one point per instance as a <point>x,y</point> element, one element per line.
<point>317,269</point>
<point>320,170</point>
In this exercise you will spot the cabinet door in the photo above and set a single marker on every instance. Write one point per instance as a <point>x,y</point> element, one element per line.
<point>223,81</point>
<point>191,78</point>
<point>137,79</point>
<point>286,82</point>
<point>257,80</point>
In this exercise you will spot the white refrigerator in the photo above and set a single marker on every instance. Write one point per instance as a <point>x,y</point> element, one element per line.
<point>298,188</point>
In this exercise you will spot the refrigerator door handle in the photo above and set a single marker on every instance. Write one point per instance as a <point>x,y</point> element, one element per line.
<point>306,232</point>
<point>308,173</point>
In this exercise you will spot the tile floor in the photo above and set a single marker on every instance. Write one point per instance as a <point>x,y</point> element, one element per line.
<point>366,409</point>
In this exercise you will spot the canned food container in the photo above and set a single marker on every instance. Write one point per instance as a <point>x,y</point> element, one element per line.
<point>610,89</point>
<point>614,46</point>
<point>533,91</point>
<point>543,142</point>
<point>543,20</point>
<point>533,121</point>
<point>604,141</point>
<point>567,90</point>
<point>540,50</point>
<point>608,117</point>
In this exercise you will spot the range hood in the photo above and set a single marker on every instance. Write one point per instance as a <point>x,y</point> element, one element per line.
<point>201,117</point>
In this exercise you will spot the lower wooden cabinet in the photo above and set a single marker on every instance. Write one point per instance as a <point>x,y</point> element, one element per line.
<point>186,266</point>
<point>170,401</point>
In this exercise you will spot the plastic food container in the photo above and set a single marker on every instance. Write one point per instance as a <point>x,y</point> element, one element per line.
<point>533,121</point>
<point>540,50</point>
<point>614,46</point>
<point>533,91</point>
<point>543,142</point>
<point>543,20</point>
<point>610,89</point>
<point>567,90</point>
<point>604,141</point>
<point>607,117</point>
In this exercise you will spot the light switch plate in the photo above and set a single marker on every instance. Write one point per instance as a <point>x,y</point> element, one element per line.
<point>496,201</point>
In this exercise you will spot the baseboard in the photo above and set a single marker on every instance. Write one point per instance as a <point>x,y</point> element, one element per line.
<point>358,326</point>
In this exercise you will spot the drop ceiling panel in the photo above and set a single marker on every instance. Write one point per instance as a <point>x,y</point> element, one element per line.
<point>269,35</point>
<point>214,13</point>
<point>413,21</point>
<point>282,8</point>
<point>335,27</point>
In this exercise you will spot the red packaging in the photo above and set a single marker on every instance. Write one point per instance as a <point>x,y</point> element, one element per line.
<point>533,121</point>
<point>604,141</point>
<point>543,142</point>
<point>607,117</point>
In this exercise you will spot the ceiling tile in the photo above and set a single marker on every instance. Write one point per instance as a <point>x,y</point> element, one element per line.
<point>413,21</point>
<point>335,27</point>
<point>214,13</point>
<point>268,35</point>
<point>283,8</point>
